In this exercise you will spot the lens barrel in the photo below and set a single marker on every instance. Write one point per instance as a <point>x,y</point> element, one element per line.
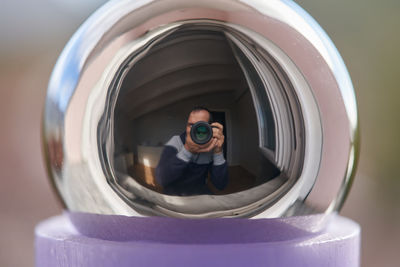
<point>201,132</point>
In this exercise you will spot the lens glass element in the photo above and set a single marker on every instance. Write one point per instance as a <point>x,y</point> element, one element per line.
<point>201,133</point>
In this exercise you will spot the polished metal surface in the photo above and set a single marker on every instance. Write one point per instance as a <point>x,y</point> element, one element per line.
<point>123,84</point>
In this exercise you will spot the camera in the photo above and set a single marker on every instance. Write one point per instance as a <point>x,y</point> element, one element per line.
<point>201,132</point>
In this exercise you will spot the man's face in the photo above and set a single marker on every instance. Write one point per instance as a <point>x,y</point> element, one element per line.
<point>195,116</point>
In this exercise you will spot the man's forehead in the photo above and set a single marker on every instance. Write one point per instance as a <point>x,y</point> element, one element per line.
<point>199,115</point>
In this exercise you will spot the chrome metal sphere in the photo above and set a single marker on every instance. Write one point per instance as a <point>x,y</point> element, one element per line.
<point>124,86</point>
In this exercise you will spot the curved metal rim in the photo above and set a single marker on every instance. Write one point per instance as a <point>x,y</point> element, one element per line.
<point>77,55</point>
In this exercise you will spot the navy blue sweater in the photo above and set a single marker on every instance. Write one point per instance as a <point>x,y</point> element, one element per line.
<point>183,173</point>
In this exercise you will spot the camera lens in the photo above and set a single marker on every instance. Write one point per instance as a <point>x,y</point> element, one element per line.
<point>201,132</point>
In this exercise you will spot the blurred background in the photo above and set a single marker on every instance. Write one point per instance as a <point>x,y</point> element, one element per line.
<point>33,33</point>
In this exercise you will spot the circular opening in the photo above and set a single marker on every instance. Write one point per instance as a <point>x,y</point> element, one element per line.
<point>158,88</point>
<point>201,132</point>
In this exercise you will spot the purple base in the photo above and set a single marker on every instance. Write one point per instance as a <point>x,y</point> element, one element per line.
<point>104,241</point>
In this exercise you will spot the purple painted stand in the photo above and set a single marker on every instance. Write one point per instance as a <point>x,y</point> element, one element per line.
<point>78,239</point>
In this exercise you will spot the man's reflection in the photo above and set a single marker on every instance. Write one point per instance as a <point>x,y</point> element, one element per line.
<point>185,165</point>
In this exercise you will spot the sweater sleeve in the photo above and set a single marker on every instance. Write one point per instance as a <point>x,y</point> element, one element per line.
<point>219,172</point>
<point>173,162</point>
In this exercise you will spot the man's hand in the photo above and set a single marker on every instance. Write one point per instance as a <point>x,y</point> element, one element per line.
<point>218,135</point>
<point>215,144</point>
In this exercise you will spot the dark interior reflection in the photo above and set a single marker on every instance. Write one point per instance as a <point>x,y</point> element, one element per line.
<point>188,69</point>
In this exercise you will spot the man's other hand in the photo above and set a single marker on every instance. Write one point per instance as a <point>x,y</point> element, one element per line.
<point>218,136</point>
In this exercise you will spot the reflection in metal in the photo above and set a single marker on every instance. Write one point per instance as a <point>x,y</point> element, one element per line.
<point>132,59</point>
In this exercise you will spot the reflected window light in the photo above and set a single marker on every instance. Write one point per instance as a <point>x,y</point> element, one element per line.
<point>146,162</point>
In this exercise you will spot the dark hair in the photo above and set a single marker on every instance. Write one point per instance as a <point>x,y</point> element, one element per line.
<point>199,108</point>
